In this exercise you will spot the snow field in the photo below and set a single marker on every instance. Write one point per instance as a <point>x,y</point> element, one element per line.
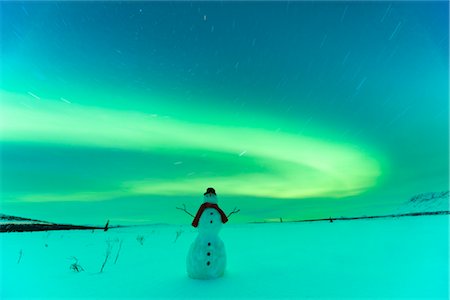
<point>384,258</point>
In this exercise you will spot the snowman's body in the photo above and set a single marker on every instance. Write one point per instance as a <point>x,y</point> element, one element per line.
<point>207,257</point>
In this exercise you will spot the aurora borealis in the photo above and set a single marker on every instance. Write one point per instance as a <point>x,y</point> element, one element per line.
<point>124,110</point>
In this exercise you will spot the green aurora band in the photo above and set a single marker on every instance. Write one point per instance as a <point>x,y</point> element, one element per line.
<point>295,166</point>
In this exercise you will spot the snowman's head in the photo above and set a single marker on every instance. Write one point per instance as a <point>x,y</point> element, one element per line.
<point>210,198</point>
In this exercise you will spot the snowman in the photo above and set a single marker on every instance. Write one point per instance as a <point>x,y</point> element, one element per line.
<point>207,257</point>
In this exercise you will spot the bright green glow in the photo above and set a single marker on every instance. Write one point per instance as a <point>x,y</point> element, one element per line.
<point>297,166</point>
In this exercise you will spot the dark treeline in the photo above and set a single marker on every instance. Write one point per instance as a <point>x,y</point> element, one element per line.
<point>443,212</point>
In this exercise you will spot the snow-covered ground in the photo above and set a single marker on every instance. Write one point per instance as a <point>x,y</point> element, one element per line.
<point>384,258</point>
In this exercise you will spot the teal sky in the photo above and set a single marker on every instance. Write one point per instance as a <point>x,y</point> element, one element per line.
<point>125,110</point>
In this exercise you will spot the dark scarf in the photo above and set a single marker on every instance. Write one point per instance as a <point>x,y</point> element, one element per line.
<point>205,206</point>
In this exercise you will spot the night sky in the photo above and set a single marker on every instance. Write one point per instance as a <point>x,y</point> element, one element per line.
<point>125,110</point>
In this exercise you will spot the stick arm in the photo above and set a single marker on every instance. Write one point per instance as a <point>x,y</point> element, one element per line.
<point>185,210</point>
<point>235,211</point>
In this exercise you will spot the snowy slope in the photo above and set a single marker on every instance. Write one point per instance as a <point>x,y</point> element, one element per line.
<point>384,258</point>
<point>427,202</point>
<point>19,224</point>
<point>6,219</point>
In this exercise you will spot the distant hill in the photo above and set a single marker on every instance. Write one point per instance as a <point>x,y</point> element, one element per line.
<point>19,224</point>
<point>427,202</point>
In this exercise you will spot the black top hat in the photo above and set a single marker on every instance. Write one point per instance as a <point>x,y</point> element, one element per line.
<point>210,190</point>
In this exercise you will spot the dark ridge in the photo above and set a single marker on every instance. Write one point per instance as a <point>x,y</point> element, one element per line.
<point>14,218</point>
<point>42,227</point>
<point>38,225</point>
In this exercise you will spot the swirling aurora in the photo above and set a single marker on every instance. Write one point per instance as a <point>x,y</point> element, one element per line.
<point>294,166</point>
